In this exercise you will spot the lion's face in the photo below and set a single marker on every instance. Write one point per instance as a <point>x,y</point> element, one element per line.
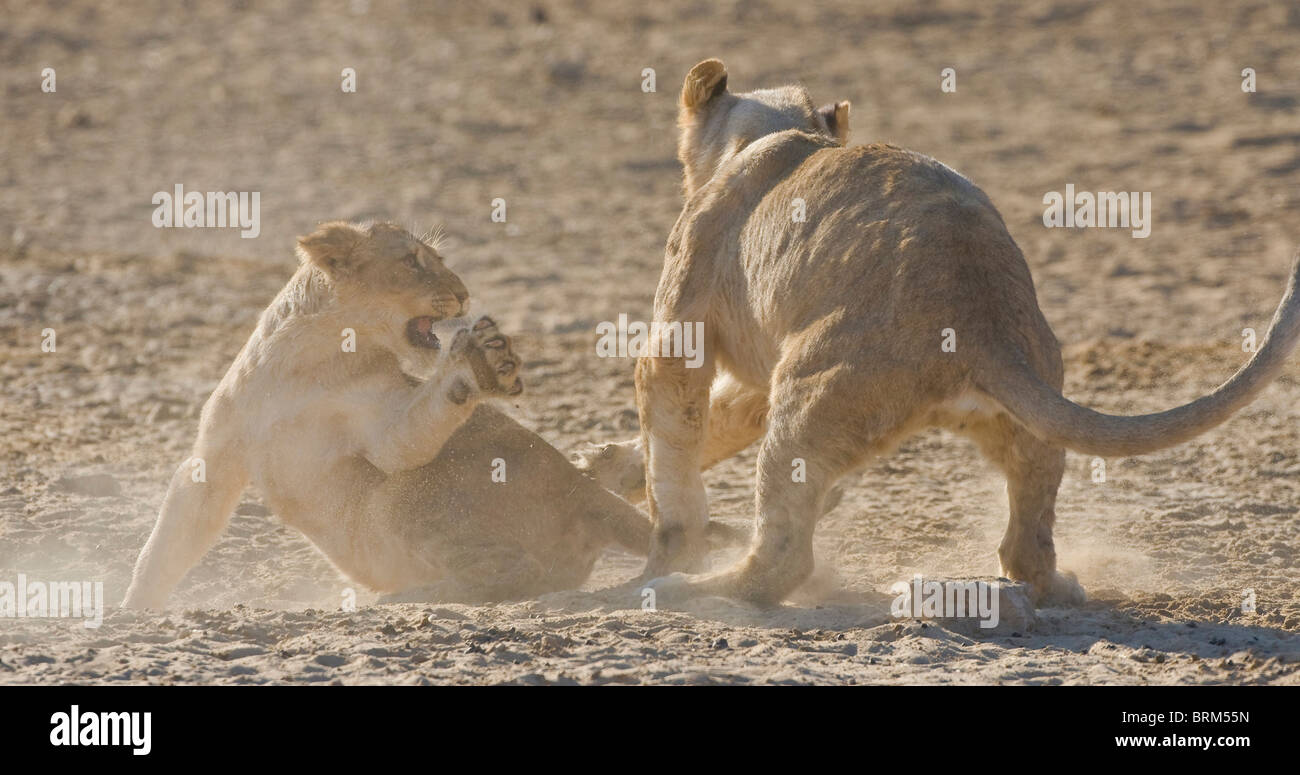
<point>716,124</point>
<point>391,280</point>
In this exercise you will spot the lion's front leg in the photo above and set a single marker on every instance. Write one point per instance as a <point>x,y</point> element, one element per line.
<point>673,403</point>
<point>480,364</point>
<point>193,514</point>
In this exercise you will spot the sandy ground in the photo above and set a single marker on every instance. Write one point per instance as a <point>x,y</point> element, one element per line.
<point>542,105</point>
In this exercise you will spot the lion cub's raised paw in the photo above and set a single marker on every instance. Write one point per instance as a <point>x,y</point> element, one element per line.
<point>490,358</point>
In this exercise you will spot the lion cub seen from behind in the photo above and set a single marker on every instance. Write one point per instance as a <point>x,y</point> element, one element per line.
<point>390,476</point>
<point>823,341</point>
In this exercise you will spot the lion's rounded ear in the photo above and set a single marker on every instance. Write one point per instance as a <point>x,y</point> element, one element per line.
<point>703,83</point>
<point>330,247</point>
<point>836,115</point>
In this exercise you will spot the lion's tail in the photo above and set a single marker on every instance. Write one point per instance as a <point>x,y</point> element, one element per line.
<point>1057,420</point>
<point>625,524</point>
<point>631,529</point>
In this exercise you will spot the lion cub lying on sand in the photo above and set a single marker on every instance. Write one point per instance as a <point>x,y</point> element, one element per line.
<point>388,475</point>
<point>824,335</point>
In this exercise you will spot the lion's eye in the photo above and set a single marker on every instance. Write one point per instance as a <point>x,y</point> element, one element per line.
<point>412,261</point>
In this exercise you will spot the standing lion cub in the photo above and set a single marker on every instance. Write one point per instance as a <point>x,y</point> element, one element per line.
<point>823,339</point>
<point>390,476</point>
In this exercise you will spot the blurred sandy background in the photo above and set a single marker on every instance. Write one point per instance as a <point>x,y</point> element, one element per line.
<point>541,104</point>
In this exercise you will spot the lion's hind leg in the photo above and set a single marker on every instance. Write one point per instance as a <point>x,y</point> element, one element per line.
<point>1033,469</point>
<point>485,572</point>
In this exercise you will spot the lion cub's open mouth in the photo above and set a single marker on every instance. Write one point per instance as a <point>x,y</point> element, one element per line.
<point>419,332</point>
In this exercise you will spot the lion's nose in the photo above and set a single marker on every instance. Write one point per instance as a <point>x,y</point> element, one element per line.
<point>462,298</point>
